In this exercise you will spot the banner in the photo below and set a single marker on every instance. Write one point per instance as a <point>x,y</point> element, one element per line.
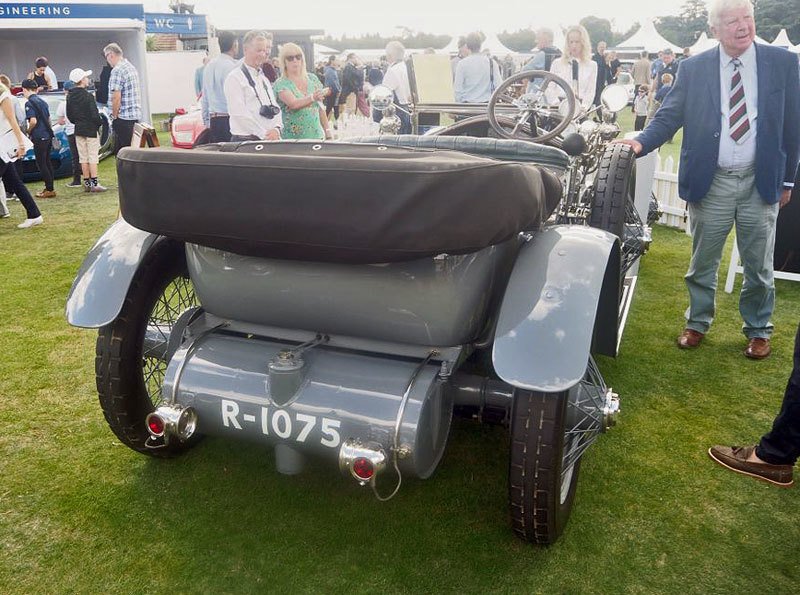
<point>60,10</point>
<point>184,24</point>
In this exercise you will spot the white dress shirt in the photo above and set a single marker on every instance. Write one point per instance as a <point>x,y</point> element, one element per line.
<point>586,84</point>
<point>733,155</point>
<point>244,103</point>
<point>396,79</point>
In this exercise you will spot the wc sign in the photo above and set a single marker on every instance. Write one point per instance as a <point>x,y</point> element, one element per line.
<point>169,22</point>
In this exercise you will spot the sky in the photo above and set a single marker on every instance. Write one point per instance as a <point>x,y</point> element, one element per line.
<point>453,17</point>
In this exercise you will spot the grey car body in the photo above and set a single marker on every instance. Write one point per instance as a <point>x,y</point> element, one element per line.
<point>363,362</point>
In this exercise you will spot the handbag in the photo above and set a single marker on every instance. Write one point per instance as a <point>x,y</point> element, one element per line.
<point>9,144</point>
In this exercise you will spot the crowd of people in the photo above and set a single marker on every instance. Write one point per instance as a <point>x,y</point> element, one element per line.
<point>257,97</point>
<point>26,119</point>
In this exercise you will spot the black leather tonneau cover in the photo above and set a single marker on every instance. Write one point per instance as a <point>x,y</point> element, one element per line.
<point>331,202</point>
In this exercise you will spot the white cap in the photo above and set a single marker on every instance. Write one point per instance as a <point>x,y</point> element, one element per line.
<point>76,75</point>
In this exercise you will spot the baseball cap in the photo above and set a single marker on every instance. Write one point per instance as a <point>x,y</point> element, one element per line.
<point>76,75</point>
<point>69,85</point>
<point>30,84</point>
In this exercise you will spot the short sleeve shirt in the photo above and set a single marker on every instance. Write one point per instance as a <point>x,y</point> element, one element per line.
<point>305,122</point>
<point>37,108</point>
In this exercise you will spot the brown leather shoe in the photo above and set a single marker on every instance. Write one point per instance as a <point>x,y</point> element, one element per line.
<point>758,348</point>
<point>690,339</point>
<point>46,194</point>
<point>735,459</point>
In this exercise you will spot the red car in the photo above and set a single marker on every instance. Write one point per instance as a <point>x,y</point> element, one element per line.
<point>186,126</point>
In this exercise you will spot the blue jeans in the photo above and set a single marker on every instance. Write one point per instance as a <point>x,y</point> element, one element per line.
<point>732,199</point>
<point>782,445</point>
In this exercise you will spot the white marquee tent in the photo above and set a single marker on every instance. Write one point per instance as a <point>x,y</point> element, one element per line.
<point>782,40</point>
<point>323,50</point>
<point>646,38</point>
<point>495,47</point>
<point>491,43</point>
<point>450,48</point>
<point>702,44</point>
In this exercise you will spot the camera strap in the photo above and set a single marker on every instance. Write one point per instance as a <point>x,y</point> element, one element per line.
<point>252,83</point>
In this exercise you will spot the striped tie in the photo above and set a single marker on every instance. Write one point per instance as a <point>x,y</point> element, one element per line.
<point>738,122</point>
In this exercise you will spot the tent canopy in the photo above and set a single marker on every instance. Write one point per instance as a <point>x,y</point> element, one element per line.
<point>782,40</point>
<point>450,48</point>
<point>323,50</point>
<point>647,38</point>
<point>703,43</point>
<point>491,44</point>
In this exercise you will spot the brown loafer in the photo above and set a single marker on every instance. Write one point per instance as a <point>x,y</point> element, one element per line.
<point>689,339</point>
<point>735,459</point>
<point>758,348</point>
<point>46,194</point>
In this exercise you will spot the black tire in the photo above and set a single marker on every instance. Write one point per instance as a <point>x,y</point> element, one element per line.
<point>539,501</point>
<point>128,380</point>
<point>614,187</point>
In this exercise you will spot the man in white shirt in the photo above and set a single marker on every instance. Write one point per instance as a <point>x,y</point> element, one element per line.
<point>396,79</point>
<point>252,106</point>
<point>477,75</point>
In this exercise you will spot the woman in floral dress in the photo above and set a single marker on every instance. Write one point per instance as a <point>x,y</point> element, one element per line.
<point>300,95</point>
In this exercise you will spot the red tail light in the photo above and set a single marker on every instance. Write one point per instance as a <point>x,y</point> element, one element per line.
<point>155,424</point>
<point>363,468</point>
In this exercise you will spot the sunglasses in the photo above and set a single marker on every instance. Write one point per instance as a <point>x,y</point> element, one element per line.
<point>293,58</point>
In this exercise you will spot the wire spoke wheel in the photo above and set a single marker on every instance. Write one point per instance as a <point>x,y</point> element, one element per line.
<point>131,352</point>
<point>177,297</point>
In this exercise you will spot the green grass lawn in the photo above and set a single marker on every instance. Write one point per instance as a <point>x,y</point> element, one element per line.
<point>80,513</point>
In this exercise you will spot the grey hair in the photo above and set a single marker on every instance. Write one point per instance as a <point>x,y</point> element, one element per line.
<point>112,48</point>
<point>717,7</point>
<point>252,36</point>
<point>395,51</point>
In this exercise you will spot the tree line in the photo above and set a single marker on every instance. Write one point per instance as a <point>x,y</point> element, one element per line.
<point>682,29</point>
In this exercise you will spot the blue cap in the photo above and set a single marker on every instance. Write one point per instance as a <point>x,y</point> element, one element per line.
<point>68,85</point>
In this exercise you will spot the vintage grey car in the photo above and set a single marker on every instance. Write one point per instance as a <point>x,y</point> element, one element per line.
<point>344,300</point>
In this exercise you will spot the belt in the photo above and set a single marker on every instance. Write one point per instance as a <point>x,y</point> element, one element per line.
<point>218,115</point>
<point>737,171</point>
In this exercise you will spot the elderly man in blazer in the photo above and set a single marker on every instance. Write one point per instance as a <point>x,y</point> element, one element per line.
<point>739,106</point>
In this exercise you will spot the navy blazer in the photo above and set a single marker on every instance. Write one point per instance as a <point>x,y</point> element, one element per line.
<point>694,103</point>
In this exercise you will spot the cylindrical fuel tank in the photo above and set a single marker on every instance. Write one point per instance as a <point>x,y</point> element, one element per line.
<point>339,395</point>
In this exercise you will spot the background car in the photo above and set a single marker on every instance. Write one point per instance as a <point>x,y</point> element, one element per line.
<point>61,155</point>
<point>186,126</point>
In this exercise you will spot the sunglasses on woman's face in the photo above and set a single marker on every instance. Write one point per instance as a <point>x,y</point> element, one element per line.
<point>293,58</point>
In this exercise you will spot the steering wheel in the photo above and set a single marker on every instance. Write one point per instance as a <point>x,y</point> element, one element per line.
<point>530,107</point>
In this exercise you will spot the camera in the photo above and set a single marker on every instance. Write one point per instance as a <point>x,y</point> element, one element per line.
<point>269,111</point>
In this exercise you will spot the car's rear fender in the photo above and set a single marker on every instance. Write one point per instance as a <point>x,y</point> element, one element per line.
<point>99,289</point>
<point>561,304</point>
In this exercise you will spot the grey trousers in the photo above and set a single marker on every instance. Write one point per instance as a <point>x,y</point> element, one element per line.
<point>732,200</point>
